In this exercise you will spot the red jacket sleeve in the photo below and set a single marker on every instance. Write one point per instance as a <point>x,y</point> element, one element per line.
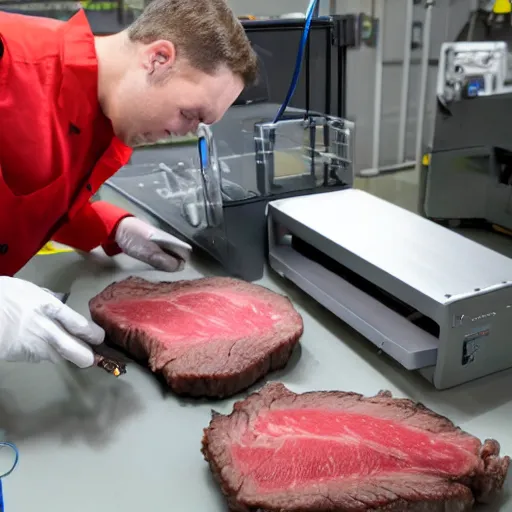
<point>93,225</point>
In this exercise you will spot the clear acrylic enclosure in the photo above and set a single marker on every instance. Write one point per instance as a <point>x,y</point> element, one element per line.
<point>183,189</point>
<point>298,153</point>
<point>242,159</point>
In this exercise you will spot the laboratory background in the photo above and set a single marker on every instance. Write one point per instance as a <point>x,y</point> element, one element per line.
<point>340,339</point>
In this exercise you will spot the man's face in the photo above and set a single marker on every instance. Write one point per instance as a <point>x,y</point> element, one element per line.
<point>161,95</point>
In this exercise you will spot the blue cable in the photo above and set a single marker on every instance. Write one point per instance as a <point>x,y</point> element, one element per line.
<point>298,63</point>
<point>15,463</point>
<point>16,457</point>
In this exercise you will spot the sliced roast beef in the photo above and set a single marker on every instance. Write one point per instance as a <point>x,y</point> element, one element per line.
<point>336,451</point>
<point>208,337</point>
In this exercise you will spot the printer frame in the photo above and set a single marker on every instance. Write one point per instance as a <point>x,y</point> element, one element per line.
<point>240,245</point>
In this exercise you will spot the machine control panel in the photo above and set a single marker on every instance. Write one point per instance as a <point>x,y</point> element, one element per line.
<point>471,344</point>
<point>473,86</point>
<point>468,70</point>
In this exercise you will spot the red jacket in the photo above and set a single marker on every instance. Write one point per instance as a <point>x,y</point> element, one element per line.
<point>56,146</point>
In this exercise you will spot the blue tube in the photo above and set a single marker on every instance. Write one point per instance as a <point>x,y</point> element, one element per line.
<point>7,473</point>
<point>203,152</point>
<point>298,63</point>
<point>16,458</point>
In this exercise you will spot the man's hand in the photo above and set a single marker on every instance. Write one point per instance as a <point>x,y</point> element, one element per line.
<point>152,245</point>
<point>36,326</point>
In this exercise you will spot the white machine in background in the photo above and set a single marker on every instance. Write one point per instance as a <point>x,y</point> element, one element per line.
<point>432,299</point>
<point>473,69</point>
<point>470,153</point>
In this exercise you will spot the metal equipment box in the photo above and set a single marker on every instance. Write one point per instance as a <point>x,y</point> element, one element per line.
<point>431,299</point>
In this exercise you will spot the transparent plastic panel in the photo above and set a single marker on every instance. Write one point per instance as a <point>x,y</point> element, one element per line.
<point>300,153</point>
<point>238,140</point>
<point>183,191</point>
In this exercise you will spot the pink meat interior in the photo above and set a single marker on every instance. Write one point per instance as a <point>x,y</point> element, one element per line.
<point>291,448</point>
<point>197,316</point>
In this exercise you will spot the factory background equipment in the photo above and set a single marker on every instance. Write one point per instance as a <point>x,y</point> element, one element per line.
<point>105,17</point>
<point>467,168</point>
<point>416,36</point>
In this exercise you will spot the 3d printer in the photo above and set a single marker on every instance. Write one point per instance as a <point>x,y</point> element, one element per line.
<point>216,198</point>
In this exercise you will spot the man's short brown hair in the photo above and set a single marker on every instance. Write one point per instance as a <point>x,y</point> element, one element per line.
<point>205,32</point>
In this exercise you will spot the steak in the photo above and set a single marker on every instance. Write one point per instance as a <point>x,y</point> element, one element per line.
<point>336,451</point>
<point>209,337</point>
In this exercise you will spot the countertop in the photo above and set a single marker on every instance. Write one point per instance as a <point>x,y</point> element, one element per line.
<point>89,441</point>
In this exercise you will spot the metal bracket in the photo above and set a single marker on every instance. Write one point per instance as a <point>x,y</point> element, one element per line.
<point>345,31</point>
<point>331,160</point>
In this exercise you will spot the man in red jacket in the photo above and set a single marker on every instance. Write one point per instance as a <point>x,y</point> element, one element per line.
<point>71,108</point>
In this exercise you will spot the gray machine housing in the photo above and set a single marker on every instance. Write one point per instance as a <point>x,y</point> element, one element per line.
<point>470,157</point>
<point>433,300</point>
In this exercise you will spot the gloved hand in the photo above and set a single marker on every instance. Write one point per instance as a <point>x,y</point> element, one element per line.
<point>151,245</point>
<point>36,326</point>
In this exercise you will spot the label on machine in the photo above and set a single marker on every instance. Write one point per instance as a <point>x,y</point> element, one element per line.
<point>471,344</point>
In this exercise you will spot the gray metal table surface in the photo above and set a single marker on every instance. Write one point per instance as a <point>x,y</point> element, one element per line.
<point>89,441</point>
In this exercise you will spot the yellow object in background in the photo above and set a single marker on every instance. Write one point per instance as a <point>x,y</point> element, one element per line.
<point>502,7</point>
<point>94,5</point>
<point>51,248</point>
<point>172,141</point>
<point>502,230</point>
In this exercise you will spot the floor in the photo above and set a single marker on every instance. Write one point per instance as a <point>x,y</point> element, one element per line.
<point>400,188</point>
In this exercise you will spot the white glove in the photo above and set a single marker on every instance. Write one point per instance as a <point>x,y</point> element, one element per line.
<point>152,245</point>
<point>36,326</point>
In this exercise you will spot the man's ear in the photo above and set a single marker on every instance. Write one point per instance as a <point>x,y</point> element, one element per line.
<point>159,57</point>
